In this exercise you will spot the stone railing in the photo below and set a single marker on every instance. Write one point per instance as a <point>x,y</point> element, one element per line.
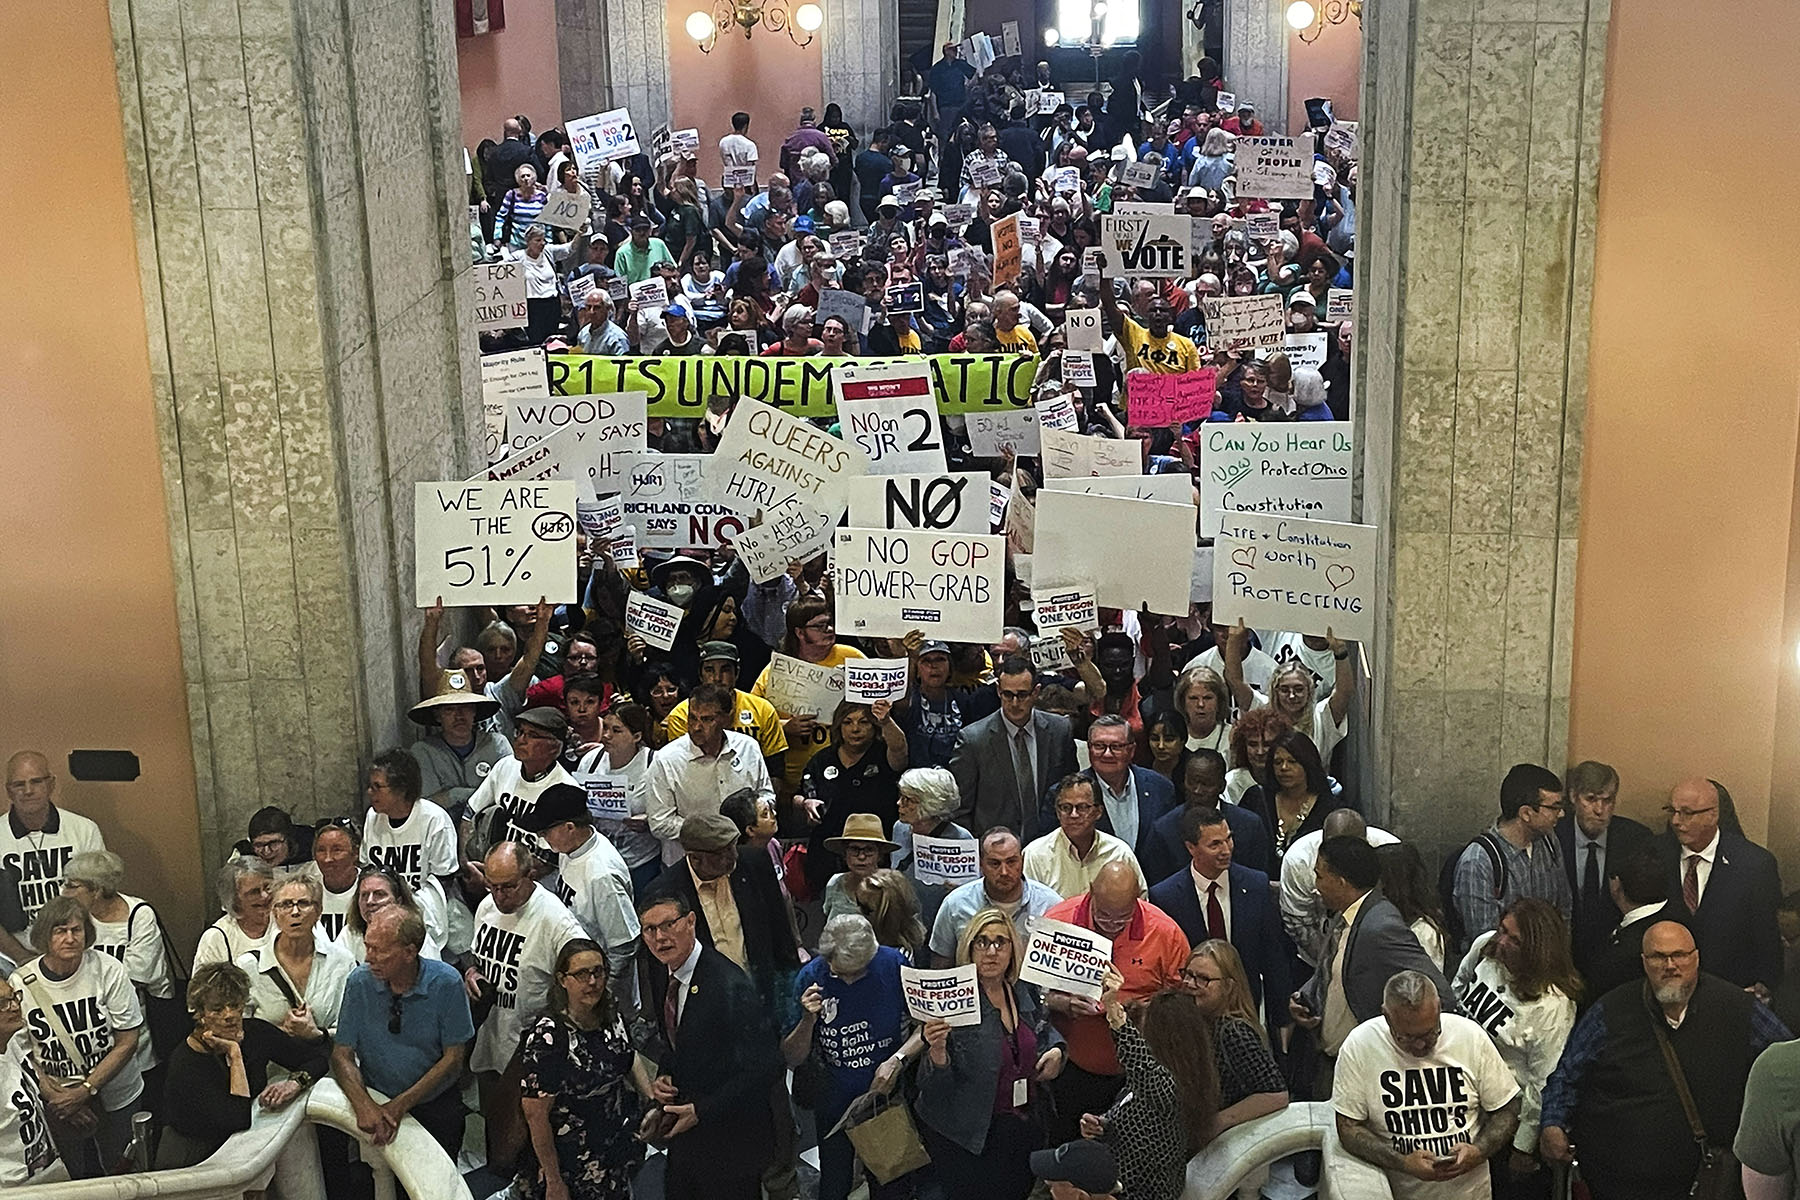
<point>1237,1162</point>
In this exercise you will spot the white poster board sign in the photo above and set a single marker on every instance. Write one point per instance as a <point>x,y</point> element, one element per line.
<point>1057,412</point>
<point>1082,327</point>
<point>500,296</point>
<point>1340,304</point>
<point>602,137</point>
<point>1244,322</point>
<point>799,688</point>
<point>1293,574</point>
<point>946,860</point>
<point>765,456</point>
<point>1103,538</point>
<point>791,532</point>
<point>1275,167</point>
<point>506,377</point>
<point>1305,349</point>
<point>493,543</point>
<point>1060,957</point>
<point>1071,607</point>
<point>889,411</point>
<point>871,680</point>
<point>557,456</point>
<point>664,498</point>
<point>949,995</point>
<point>946,501</point>
<point>1173,488</point>
<point>656,621</point>
<point>1076,456</point>
<point>892,581</point>
<point>608,797</point>
<point>1147,245</point>
<point>1014,429</point>
<point>604,424</point>
<point>1297,470</point>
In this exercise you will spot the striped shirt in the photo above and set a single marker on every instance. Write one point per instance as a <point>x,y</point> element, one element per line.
<point>1536,871</point>
<point>522,211</point>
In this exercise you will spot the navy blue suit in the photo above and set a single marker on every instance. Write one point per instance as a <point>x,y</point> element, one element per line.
<point>1735,928</point>
<point>1162,852</point>
<point>1255,929</point>
<point>1155,798</point>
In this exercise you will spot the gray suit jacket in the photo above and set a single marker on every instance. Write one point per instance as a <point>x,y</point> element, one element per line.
<point>1380,946</point>
<point>983,768</point>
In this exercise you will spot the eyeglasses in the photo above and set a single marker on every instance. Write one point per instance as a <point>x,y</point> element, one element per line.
<point>508,886</point>
<point>662,928</point>
<point>1009,694</point>
<point>12,1001</point>
<point>988,943</point>
<point>1072,810</point>
<point>1195,977</point>
<point>820,626</point>
<point>268,843</point>
<point>291,905</point>
<point>1687,814</point>
<point>1669,958</point>
<point>394,1012</point>
<point>587,974</point>
<point>1108,748</point>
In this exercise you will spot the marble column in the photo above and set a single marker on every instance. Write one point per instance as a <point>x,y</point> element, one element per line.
<point>1481,126</point>
<point>297,189</point>
<point>1256,58</point>
<point>583,68</point>
<point>860,59</point>
<point>637,60</point>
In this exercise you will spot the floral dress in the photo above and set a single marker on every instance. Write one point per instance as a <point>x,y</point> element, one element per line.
<point>586,1074</point>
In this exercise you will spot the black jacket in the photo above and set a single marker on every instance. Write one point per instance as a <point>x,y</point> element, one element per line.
<point>770,950</point>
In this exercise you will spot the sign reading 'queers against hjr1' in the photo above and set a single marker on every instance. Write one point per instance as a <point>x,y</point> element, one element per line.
<point>1298,470</point>
<point>1289,573</point>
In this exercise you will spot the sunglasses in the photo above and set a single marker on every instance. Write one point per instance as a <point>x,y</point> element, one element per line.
<point>394,1012</point>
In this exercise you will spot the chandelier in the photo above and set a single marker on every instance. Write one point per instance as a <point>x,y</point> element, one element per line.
<point>1310,21</point>
<point>704,27</point>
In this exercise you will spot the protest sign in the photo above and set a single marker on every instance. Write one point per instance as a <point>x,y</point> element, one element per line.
<point>1137,552</point>
<point>1082,327</point>
<point>944,501</point>
<point>799,688</point>
<point>846,242</point>
<point>604,426</point>
<point>1261,226</point>
<point>1200,586</point>
<point>1021,520</point>
<point>1342,138</point>
<point>1298,470</point>
<point>650,295</point>
<point>602,518</point>
<point>949,995</point>
<point>494,543</point>
<point>1289,573</point>
<point>1141,174</point>
<point>1009,38</point>
<point>504,377</point>
<point>1244,322</point>
<point>744,177</point>
<point>656,621</point>
<point>1305,349</point>
<point>565,209</point>
<point>607,797</point>
<point>1149,399</point>
<point>1049,654</point>
<point>998,495</point>
<point>1340,304</point>
<point>1071,606</point>
<point>1049,102</point>
<point>1173,488</point>
<point>1078,369</point>
<point>1060,957</point>
<point>966,260</point>
<point>891,581</point>
<point>660,140</point>
<point>624,548</point>
<point>664,498</point>
<point>870,680</point>
<point>580,287</point>
<point>850,307</point>
<point>1195,393</point>
<point>765,456</point>
<point>557,456</point>
<point>946,860</point>
<point>1068,180</point>
<point>904,298</point>
<point>985,172</point>
<point>1147,245</point>
<point>791,532</point>
<point>1226,103</point>
<point>959,214</point>
<point>1071,455</point>
<point>888,412</point>
<point>992,432</point>
<point>1275,167</point>
<point>1324,175</point>
<point>1007,253</point>
<point>1057,412</point>
<point>599,139</point>
<point>499,296</point>
<point>685,142</point>
<point>905,193</point>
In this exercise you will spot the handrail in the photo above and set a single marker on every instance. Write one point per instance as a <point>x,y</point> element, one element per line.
<point>1227,1163</point>
<point>248,1160</point>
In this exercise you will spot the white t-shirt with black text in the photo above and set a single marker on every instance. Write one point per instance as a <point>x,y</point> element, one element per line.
<point>37,859</point>
<point>137,942</point>
<point>507,787</point>
<point>25,1147</point>
<point>423,844</point>
<point>517,952</point>
<point>95,1004</point>
<point>1528,1033</point>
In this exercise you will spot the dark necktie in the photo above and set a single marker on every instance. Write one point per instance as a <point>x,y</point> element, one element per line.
<point>1690,884</point>
<point>1590,879</point>
<point>1024,776</point>
<point>672,1008</point>
<point>1215,914</point>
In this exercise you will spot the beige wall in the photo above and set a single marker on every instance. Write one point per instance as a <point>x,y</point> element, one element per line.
<point>1684,638</point>
<point>767,76</point>
<point>510,72</point>
<point>89,650</point>
<point>1330,66</point>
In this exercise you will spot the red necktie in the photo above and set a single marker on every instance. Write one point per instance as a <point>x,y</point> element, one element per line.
<point>1690,884</point>
<point>672,1008</point>
<point>1215,914</point>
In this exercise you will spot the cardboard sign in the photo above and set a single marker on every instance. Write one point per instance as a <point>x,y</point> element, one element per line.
<point>665,500</point>
<point>799,688</point>
<point>494,543</point>
<point>504,377</point>
<point>600,519</point>
<point>685,142</point>
<point>1141,174</point>
<point>500,296</point>
<point>599,139</point>
<point>1340,304</point>
<point>565,209</point>
<point>904,298</point>
<point>1079,370</point>
<point>744,177</point>
<point>1261,226</point>
<point>1298,470</point>
<point>1305,349</point>
<point>1227,103</point>
<point>1071,607</point>
<point>1200,587</point>
<point>1173,488</point>
<point>1135,551</point>
<point>940,501</point>
<point>1058,412</point>
<point>1275,167</point>
<point>1008,252</point>
<point>604,426</point>
<point>870,680</point>
<point>1021,521</point>
<point>950,995</point>
<point>1071,455</point>
<point>966,260</point>
<point>1068,180</point>
<point>1244,322</point>
<point>992,432</point>
<point>1082,328</point>
<point>792,532</point>
<point>1009,38</point>
<point>1060,957</point>
<point>998,495</point>
<point>1148,245</point>
<point>850,307</point>
<point>1294,574</point>
<point>656,621</point>
<point>946,860</point>
<point>765,456</point>
<point>890,582</point>
<point>1195,394</point>
<point>607,798</point>
<point>888,411</point>
<point>558,456</point>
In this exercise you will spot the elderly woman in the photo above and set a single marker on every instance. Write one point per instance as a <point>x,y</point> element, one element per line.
<point>1204,702</point>
<point>223,1063</point>
<point>129,930</point>
<point>337,849</point>
<point>297,977</point>
<point>1213,165</point>
<point>864,848</point>
<point>796,334</point>
<point>979,1085</point>
<point>1250,1082</point>
<point>851,775</point>
<point>853,1022</point>
<point>92,1078</point>
<point>519,210</point>
<point>242,887</point>
<point>541,263</point>
<point>26,1151</point>
<point>379,888</point>
<point>928,797</point>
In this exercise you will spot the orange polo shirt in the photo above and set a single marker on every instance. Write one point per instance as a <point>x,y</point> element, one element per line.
<point>1149,954</point>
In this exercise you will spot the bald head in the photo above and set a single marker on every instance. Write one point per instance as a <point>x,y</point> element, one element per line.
<point>508,870</point>
<point>29,788</point>
<point>1114,896</point>
<point>511,128</point>
<point>1694,812</point>
<point>1345,822</point>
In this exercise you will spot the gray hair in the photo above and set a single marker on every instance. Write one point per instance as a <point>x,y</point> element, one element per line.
<point>847,943</point>
<point>1407,991</point>
<point>315,887</point>
<point>1023,636</point>
<point>1218,142</point>
<point>796,313</point>
<point>101,870</point>
<point>933,789</point>
<point>235,868</point>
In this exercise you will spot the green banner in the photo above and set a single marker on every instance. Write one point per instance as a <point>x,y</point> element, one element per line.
<point>680,386</point>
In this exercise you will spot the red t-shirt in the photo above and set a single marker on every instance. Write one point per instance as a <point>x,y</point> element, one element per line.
<point>1150,954</point>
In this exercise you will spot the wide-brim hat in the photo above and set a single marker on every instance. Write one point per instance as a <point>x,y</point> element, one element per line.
<point>454,687</point>
<point>662,569</point>
<point>861,829</point>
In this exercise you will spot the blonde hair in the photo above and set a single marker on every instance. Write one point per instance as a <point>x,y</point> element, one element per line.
<point>986,919</point>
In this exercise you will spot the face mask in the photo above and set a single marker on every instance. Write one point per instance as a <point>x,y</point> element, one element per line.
<point>680,593</point>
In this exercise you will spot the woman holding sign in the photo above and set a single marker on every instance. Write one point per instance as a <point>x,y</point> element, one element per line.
<point>811,636</point>
<point>624,755</point>
<point>928,799</point>
<point>978,1084</point>
<point>1290,691</point>
<point>851,776</point>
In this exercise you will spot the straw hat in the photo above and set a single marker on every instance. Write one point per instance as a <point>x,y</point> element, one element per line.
<point>862,828</point>
<point>453,688</point>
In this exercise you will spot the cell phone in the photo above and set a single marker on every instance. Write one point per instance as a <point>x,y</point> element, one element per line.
<point>1444,1160</point>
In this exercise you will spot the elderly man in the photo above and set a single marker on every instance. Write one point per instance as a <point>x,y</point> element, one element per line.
<point>596,331</point>
<point>456,755</point>
<point>591,879</point>
<point>1589,839</point>
<point>403,1029</point>
<point>513,787</point>
<point>1066,859</point>
<point>1424,1095</point>
<point>1725,888</point>
<point>1149,951</point>
<point>697,770</point>
<point>36,843</point>
<point>1003,885</point>
<point>1613,1100</point>
<point>1133,798</point>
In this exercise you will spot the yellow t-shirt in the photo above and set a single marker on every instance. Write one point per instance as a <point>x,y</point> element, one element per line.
<point>909,341</point>
<point>1017,340</point>
<point>1170,355</point>
<point>800,752</point>
<point>754,716</point>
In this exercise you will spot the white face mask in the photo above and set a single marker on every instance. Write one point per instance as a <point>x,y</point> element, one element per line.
<point>680,593</point>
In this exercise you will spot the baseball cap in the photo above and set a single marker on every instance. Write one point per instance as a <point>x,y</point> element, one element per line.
<point>555,804</point>
<point>544,717</point>
<point>640,221</point>
<point>676,309</point>
<point>934,647</point>
<point>1302,296</point>
<point>718,652</point>
<point>1089,1165</point>
<point>803,224</point>
<point>938,218</point>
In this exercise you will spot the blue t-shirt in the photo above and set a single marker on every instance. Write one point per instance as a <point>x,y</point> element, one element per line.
<point>861,1024</point>
<point>434,1015</point>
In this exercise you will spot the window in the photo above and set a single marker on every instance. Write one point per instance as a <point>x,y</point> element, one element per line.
<point>1075,21</point>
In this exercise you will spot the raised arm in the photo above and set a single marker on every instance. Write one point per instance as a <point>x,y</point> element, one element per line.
<point>1343,684</point>
<point>1237,643</point>
<point>519,678</point>
<point>428,644</point>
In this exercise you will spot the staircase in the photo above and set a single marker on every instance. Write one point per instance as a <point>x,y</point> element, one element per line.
<point>918,31</point>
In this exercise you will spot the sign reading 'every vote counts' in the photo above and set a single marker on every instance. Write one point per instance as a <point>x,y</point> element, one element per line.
<point>1287,573</point>
<point>494,543</point>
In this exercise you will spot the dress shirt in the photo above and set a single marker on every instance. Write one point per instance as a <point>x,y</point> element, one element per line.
<point>721,910</point>
<point>1053,862</point>
<point>684,979</point>
<point>1640,912</point>
<point>1122,806</point>
<point>1337,1020</point>
<point>1706,857</point>
<point>1582,842</point>
<point>682,781</point>
<point>1201,883</point>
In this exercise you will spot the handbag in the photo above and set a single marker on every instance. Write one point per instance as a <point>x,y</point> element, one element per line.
<point>166,1017</point>
<point>886,1139</point>
<point>1718,1174</point>
<point>71,1130</point>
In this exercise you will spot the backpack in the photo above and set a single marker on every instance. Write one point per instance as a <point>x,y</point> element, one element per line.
<point>1457,937</point>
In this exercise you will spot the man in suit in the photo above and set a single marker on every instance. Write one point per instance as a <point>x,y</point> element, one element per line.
<point>1004,762</point>
<point>739,908</point>
<point>1592,838</point>
<point>721,1059</point>
<point>1367,944</point>
<point>1214,897</point>
<point>1132,798</point>
<point>1638,886</point>
<point>1161,853</point>
<point>1726,889</point>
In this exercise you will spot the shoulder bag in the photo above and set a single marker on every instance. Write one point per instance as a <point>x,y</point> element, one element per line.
<point>71,1130</point>
<point>1718,1174</point>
